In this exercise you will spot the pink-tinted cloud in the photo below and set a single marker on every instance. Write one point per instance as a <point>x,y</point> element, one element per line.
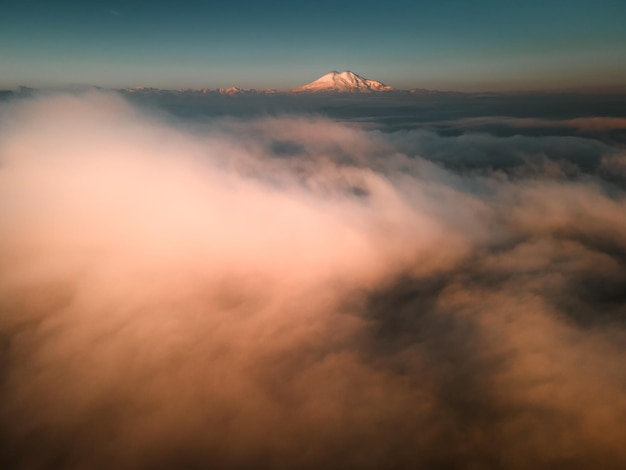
<point>296,293</point>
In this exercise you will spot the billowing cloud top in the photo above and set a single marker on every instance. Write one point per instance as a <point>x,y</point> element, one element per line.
<point>297,293</point>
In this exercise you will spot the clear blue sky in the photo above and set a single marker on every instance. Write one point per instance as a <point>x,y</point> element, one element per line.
<point>444,44</point>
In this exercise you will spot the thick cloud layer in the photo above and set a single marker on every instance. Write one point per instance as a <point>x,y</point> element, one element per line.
<point>296,293</point>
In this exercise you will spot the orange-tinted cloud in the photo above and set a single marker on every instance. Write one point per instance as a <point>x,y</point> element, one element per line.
<point>291,292</point>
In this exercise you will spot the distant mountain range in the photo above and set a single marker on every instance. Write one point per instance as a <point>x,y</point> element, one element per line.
<point>331,83</point>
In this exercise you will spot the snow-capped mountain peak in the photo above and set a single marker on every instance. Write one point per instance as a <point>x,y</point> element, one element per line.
<point>233,90</point>
<point>345,81</point>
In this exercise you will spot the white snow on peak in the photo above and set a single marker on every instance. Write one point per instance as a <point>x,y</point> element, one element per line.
<point>345,81</point>
<point>233,90</point>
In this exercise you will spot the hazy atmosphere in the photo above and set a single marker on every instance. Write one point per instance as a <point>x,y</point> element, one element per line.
<point>249,236</point>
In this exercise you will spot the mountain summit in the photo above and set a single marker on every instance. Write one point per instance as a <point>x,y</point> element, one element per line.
<point>342,82</point>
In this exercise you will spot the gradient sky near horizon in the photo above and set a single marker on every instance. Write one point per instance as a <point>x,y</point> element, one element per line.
<point>443,44</point>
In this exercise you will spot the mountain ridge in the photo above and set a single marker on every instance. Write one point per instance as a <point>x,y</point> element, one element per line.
<point>332,83</point>
<point>342,82</point>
